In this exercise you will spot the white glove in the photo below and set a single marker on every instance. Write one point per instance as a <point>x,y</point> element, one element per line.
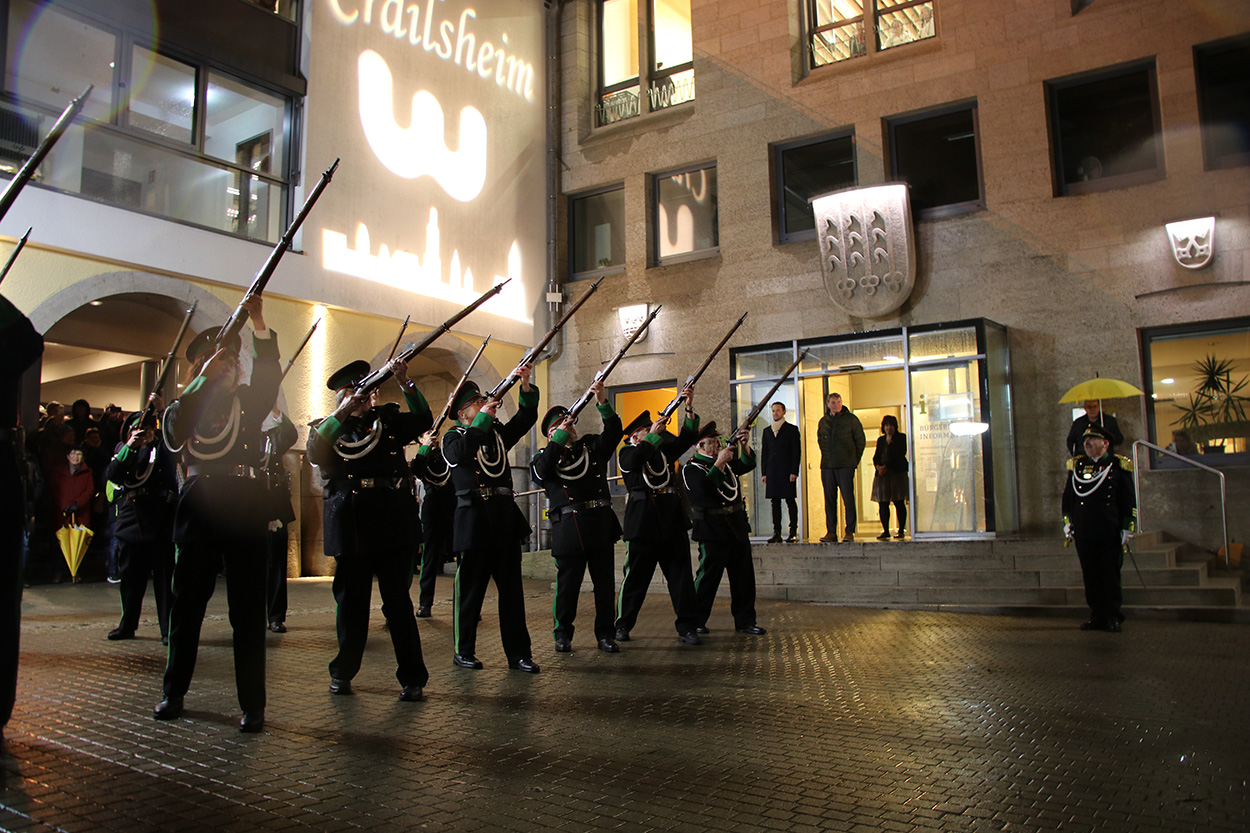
<point>1067,531</point>
<point>1125,537</point>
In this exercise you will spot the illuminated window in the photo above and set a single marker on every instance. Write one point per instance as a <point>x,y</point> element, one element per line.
<point>936,154</point>
<point>808,169</point>
<point>669,58</point>
<point>837,28</point>
<point>684,221</point>
<point>597,232</point>
<point>160,133</point>
<point>1104,130</point>
<point>1224,101</point>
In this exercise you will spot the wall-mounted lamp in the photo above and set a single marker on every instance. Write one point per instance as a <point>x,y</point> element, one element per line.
<point>1193,241</point>
<point>631,318</point>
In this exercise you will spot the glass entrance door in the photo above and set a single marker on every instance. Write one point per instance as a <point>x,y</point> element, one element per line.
<point>947,466</point>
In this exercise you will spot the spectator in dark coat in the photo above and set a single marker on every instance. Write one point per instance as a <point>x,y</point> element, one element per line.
<point>890,485</point>
<point>81,419</point>
<point>1093,416</point>
<point>780,454</point>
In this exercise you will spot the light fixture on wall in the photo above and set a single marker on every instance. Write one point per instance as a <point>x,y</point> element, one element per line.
<point>631,318</point>
<point>1193,241</point>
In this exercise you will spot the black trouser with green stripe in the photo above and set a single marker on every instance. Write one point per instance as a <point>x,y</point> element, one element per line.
<point>501,562</point>
<point>726,557</point>
<point>570,569</point>
<point>672,554</point>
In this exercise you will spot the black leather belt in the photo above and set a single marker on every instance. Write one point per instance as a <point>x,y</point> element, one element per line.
<point>573,508</point>
<point>391,483</point>
<point>216,470</point>
<point>488,492</point>
<point>736,506</point>
<point>663,490</point>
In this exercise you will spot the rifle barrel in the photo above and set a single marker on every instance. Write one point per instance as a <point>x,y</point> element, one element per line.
<point>751,416</point>
<point>17,250</point>
<point>23,175</point>
<point>667,410</point>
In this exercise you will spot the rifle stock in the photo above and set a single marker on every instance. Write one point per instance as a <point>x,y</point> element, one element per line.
<point>17,250</point>
<point>667,410</point>
<point>585,398</point>
<point>23,175</point>
<point>511,379</point>
<point>237,318</point>
<point>383,373</point>
<point>744,428</point>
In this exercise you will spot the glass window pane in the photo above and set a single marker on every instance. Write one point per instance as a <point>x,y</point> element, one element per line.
<point>53,57</point>
<point>809,171</point>
<point>835,11</point>
<point>1200,385</point>
<point>240,121</point>
<point>618,41</point>
<point>671,89</point>
<point>943,344</point>
<point>901,26</point>
<point>1002,430</point>
<point>759,507</point>
<point>852,355</point>
<point>762,364</point>
<point>1105,127</point>
<point>672,33</point>
<point>838,44</point>
<point>937,157</point>
<point>686,212</point>
<point>598,231</point>
<point>1224,101</point>
<point>947,464</point>
<point>162,95</point>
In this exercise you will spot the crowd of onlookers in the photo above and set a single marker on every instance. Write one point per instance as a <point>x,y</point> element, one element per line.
<point>66,456</point>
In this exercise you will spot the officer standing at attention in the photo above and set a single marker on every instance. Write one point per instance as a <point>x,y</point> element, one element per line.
<point>438,509</point>
<point>489,527</point>
<point>721,527</point>
<point>656,522</point>
<point>573,471</point>
<point>143,472</point>
<point>1100,514</point>
<point>220,515</point>
<point>371,524</point>
<point>280,436</point>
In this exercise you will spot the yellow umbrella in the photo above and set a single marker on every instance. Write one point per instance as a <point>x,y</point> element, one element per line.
<point>1100,388</point>
<point>74,541</point>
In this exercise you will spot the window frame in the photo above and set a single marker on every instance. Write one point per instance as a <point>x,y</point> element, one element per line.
<point>1054,86</point>
<point>648,76</point>
<point>654,259</point>
<point>601,90</point>
<point>1209,163</point>
<point>868,21</point>
<point>892,123</point>
<point>572,233</point>
<point>779,198</point>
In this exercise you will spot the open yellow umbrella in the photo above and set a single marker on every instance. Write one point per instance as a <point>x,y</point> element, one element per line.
<point>74,541</point>
<point>1100,388</point>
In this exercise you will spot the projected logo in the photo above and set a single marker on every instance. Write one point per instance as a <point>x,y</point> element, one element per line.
<point>419,149</point>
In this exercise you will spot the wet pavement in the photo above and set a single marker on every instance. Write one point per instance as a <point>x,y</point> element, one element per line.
<point>837,719</point>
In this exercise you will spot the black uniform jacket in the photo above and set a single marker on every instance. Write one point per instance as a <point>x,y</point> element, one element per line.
<point>649,466</point>
<point>715,499</point>
<point>779,458</point>
<point>147,486</point>
<point>218,433</point>
<point>431,468</point>
<point>1098,499</point>
<point>892,455</point>
<point>577,473</point>
<point>362,449</point>
<point>478,456</point>
<point>278,441</point>
<point>20,345</point>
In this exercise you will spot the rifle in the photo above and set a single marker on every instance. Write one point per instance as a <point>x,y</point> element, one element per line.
<point>13,255</point>
<point>741,432</point>
<point>237,318</point>
<point>299,350</point>
<point>403,328</point>
<point>438,423</point>
<point>668,409</point>
<point>603,374</point>
<point>511,379</point>
<point>23,175</point>
<point>383,373</point>
<point>149,411</point>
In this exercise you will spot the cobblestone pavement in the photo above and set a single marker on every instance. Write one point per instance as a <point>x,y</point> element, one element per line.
<point>837,719</point>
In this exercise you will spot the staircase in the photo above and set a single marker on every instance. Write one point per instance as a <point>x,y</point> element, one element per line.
<point>1021,576</point>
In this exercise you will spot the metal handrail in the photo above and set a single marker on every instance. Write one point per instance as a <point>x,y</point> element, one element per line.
<point>1196,464</point>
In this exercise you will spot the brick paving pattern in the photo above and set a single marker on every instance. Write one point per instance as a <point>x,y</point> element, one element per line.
<point>837,719</point>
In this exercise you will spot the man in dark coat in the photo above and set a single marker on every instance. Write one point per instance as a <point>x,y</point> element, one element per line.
<point>438,510</point>
<point>584,529</point>
<point>1093,416</point>
<point>371,525</point>
<point>780,453</point>
<point>21,347</point>
<point>656,521</point>
<point>489,526</point>
<point>145,485</point>
<point>1100,515</point>
<point>280,435</point>
<point>840,436</point>
<point>721,527</point>
<point>220,515</point>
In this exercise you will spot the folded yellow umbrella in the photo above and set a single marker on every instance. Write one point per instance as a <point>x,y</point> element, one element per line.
<point>1100,388</point>
<point>74,541</point>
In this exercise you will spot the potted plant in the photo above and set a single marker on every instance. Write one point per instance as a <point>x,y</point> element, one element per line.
<point>1217,409</point>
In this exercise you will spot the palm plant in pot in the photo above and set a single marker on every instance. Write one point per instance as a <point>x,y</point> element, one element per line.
<point>1217,408</point>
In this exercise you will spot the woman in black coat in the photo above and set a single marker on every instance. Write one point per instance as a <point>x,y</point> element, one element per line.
<point>890,483</point>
